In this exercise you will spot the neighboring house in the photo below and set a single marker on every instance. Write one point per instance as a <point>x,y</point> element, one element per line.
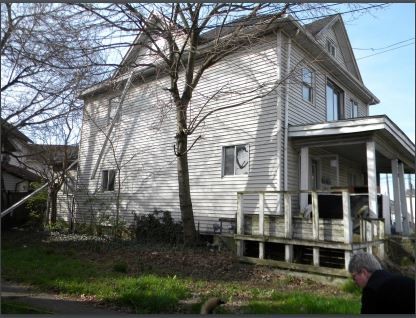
<point>15,175</point>
<point>24,162</point>
<point>313,133</point>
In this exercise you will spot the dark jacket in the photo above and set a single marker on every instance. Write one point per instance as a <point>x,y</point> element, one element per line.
<point>388,293</point>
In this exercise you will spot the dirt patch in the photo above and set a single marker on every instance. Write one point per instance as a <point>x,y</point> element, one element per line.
<point>210,272</point>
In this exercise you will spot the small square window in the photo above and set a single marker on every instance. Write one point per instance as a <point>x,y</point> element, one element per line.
<point>236,160</point>
<point>108,180</point>
<point>354,109</point>
<point>330,46</point>
<point>112,110</point>
<point>307,84</point>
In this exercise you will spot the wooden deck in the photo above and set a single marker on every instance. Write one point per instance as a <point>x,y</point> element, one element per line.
<point>311,243</point>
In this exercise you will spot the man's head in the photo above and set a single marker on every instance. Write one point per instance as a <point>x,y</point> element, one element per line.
<point>362,266</point>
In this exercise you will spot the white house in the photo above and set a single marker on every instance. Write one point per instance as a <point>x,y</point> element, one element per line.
<point>304,147</point>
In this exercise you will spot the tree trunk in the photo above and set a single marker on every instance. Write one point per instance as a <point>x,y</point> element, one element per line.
<point>189,232</point>
<point>54,197</point>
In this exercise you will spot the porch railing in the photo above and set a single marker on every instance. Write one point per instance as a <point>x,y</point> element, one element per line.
<point>314,228</point>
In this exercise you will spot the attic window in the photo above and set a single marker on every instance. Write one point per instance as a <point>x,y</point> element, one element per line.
<point>330,46</point>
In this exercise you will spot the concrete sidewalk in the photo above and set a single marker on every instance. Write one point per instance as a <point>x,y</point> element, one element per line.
<point>52,303</point>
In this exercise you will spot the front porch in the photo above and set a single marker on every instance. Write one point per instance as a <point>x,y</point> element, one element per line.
<point>338,208</point>
<point>304,242</point>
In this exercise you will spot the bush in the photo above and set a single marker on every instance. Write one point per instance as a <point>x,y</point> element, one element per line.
<point>158,227</point>
<point>37,206</point>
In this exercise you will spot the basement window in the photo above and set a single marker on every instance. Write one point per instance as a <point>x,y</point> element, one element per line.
<point>235,160</point>
<point>108,180</point>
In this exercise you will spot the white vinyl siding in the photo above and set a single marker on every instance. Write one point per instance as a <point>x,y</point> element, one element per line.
<point>330,36</point>
<point>143,143</point>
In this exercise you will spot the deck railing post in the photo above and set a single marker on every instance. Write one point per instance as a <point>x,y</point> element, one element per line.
<point>315,226</point>
<point>369,235</point>
<point>240,224</point>
<point>288,226</point>
<point>261,224</point>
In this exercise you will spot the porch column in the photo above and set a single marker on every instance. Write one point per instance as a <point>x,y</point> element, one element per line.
<point>403,203</point>
<point>372,178</point>
<point>386,214</point>
<point>396,192</point>
<point>304,176</point>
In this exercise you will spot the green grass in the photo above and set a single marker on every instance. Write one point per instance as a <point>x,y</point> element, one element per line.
<point>303,303</point>
<point>13,307</point>
<point>58,272</point>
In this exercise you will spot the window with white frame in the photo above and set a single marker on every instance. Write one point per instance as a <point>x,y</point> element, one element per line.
<point>235,160</point>
<point>307,84</point>
<point>330,46</point>
<point>108,180</point>
<point>354,108</point>
<point>112,110</point>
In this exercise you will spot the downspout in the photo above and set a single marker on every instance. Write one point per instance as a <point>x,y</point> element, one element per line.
<point>289,53</point>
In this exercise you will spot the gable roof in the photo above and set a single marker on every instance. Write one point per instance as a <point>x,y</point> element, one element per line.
<point>317,26</point>
<point>291,27</point>
<point>318,29</point>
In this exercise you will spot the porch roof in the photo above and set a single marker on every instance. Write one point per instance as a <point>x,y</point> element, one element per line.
<point>390,140</point>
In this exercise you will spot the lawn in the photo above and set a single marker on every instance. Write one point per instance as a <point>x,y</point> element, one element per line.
<point>158,279</point>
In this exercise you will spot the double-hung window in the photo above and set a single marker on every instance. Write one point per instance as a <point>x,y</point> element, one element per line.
<point>334,102</point>
<point>108,180</point>
<point>354,109</point>
<point>112,110</point>
<point>307,84</point>
<point>235,160</point>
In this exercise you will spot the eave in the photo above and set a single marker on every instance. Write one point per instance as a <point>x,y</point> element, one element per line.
<point>291,27</point>
<point>380,128</point>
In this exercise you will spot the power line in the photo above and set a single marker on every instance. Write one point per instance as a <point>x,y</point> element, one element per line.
<point>382,48</point>
<point>385,51</point>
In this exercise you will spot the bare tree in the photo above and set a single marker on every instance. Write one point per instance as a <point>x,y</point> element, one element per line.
<point>45,61</point>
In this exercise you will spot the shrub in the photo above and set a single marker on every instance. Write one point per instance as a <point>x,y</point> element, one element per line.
<point>37,206</point>
<point>158,226</point>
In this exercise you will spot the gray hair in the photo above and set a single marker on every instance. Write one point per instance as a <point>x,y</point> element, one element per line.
<point>363,260</point>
